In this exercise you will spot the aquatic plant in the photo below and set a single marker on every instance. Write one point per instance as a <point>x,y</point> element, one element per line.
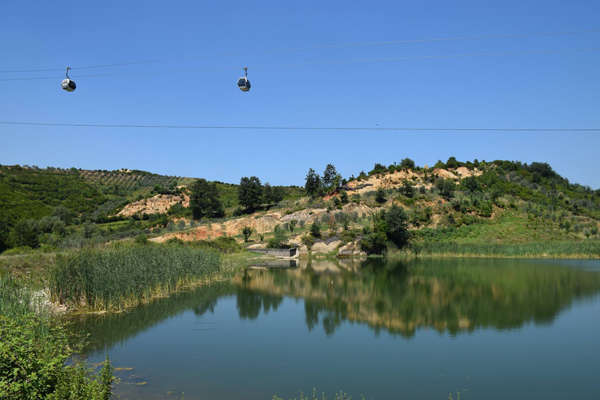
<point>121,276</point>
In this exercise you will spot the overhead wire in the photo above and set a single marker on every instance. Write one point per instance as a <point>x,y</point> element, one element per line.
<point>298,128</point>
<point>378,60</point>
<point>333,45</point>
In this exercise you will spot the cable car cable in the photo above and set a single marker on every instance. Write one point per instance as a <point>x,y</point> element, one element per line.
<point>296,128</point>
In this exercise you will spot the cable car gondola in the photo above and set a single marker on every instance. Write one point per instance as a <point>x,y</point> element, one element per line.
<point>243,82</point>
<point>68,84</point>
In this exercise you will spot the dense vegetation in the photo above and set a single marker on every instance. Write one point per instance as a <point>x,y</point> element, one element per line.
<point>126,275</point>
<point>34,352</point>
<point>486,204</point>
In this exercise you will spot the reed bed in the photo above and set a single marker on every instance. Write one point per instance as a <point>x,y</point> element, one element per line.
<point>575,249</point>
<point>119,277</point>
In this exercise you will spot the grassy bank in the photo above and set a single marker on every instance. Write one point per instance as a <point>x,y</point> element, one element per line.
<point>34,351</point>
<point>122,276</point>
<point>562,249</point>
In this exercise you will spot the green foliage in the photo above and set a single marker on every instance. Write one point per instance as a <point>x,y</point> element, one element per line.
<point>308,241</point>
<point>204,200</point>
<point>33,356</point>
<point>446,187</point>
<point>407,189</point>
<point>292,225</point>
<point>331,179</point>
<point>315,230</point>
<point>344,197</point>
<point>250,193</point>
<point>141,239</point>
<point>380,196</point>
<point>407,163</point>
<point>119,276</point>
<point>278,241</point>
<point>246,231</point>
<point>378,169</point>
<point>452,163</point>
<point>222,244</point>
<point>374,242</point>
<point>272,194</point>
<point>396,226</point>
<point>34,350</point>
<point>313,185</point>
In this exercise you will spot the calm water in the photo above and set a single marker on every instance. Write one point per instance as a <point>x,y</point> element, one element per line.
<point>489,329</point>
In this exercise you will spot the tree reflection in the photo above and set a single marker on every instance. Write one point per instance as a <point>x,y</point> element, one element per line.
<point>450,296</point>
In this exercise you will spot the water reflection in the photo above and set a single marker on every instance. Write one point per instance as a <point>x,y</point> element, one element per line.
<point>447,295</point>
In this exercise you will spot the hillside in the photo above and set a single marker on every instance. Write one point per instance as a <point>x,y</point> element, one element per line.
<point>451,207</point>
<point>463,204</point>
<point>112,201</point>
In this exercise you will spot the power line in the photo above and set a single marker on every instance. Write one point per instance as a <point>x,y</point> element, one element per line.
<point>378,60</point>
<point>51,77</point>
<point>444,39</point>
<point>124,64</point>
<point>295,128</point>
<point>340,45</point>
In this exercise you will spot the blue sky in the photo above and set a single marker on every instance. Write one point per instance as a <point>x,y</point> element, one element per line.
<point>199,49</point>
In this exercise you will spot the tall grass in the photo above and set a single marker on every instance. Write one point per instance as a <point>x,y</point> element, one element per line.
<point>123,276</point>
<point>585,248</point>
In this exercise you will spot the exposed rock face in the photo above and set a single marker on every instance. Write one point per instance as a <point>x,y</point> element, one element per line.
<point>326,247</point>
<point>397,178</point>
<point>158,204</point>
<point>259,223</point>
<point>351,249</point>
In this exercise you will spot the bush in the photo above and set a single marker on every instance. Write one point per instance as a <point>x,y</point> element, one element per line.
<point>278,241</point>
<point>315,230</point>
<point>396,225</point>
<point>141,239</point>
<point>374,243</point>
<point>33,356</point>
<point>247,231</point>
<point>380,196</point>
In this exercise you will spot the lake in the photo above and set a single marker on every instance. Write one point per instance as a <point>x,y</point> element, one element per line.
<point>476,328</point>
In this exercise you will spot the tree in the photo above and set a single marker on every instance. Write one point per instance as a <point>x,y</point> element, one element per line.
<point>331,179</point>
<point>250,193</point>
<point>407,163</point>
<point>344,197</point>
<point>396,224</point>
<point>470,183</point>
<point>25,233</point>
<point>247,231</point>
<point>452,163</point>
<point>380,196</point>
<point>272,194</point>
<point>204,200</point>
<point>313,183</point>
<point>315,230</point>
<point>378,169</point>
<point>446,187</point>
<point>292,225</point>
<point>407,189</point>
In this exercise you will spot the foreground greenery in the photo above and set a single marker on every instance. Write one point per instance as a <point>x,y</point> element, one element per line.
<point>36,354</point>
<point>122,276</point>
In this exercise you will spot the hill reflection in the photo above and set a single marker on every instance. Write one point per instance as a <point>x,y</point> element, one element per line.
<point>446,295</point>
<point>451,296</point>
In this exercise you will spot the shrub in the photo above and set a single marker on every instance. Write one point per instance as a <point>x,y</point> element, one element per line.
<point>33,357</point>
<point>246,231</point>
<point>396,226</point>
<point>380,196</point>
<point>141,239</point>
<point>315,230</point>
